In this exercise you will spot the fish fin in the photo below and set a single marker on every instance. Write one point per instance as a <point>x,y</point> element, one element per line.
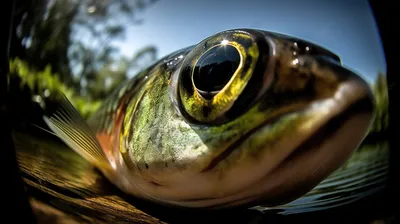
<point>66,122</point>
<point>43,129</point>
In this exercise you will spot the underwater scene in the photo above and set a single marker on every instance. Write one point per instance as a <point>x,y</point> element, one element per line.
<point>154,111</point>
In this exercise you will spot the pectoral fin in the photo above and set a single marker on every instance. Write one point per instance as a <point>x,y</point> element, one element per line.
<point>70,127</point>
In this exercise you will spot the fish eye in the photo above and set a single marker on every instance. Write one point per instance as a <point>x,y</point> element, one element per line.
<point>214,69</point>
<point>222,76</point>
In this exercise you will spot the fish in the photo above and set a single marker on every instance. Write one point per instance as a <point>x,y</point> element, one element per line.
<point>242,118</point>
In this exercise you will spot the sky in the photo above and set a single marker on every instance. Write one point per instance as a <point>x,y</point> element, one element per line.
<point>346,27</point>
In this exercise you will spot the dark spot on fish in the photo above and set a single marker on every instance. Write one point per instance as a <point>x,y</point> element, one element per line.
<point>160,146</point>
<point>153,134</point>
<point>146,165</point>
<point>154,183</point>
<point>286,45</point>
<point>195,147</point>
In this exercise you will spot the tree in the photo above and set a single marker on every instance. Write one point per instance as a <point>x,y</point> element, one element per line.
<point>42,31</point>
<point>73,37</point>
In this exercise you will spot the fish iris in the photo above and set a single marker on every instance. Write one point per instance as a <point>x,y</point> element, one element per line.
<point>215,68</point>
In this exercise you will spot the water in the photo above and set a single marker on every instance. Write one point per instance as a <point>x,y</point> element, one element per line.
<point>363,175</point>
<point>55,175</point>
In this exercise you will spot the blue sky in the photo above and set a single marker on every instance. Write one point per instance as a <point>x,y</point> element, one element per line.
<point>346,27</point>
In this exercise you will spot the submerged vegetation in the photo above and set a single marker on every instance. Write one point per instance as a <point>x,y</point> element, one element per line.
<point>380,90</point>
<point>44,84</point>
<point>378,131</point>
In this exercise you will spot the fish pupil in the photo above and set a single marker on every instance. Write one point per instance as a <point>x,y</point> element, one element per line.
<point>215,68</point>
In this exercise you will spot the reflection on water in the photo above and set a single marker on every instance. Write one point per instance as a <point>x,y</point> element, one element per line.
<point>64,180</point>
<point>364,174</point>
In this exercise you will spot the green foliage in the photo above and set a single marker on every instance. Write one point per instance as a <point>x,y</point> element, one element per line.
<point>380,91</point>
<point>45,84</point>
<point>106,79</point>
<point>74,37</point>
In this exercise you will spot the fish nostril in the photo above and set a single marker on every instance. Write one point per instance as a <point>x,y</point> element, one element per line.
<point>313,49</point>
<point>214,69</point>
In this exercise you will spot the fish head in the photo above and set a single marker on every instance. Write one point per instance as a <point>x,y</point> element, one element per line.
<point>244,116</point>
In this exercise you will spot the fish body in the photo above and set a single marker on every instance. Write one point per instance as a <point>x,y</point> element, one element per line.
<point>243,117</point>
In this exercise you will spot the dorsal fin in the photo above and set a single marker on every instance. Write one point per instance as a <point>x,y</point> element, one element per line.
<point>66,122</point>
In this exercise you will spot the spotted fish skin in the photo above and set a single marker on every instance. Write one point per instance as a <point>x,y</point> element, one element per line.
<point>243,117</point>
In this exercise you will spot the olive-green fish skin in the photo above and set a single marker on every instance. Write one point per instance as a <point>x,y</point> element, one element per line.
<point>241,151</point>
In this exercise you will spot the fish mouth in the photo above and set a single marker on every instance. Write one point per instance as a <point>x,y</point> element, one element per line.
<point>363,105</point>
<point>361,102</point>
<point>324,151</point>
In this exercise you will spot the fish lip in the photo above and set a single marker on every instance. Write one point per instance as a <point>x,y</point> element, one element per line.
<point>365,99</point>
<point>334,124</point>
